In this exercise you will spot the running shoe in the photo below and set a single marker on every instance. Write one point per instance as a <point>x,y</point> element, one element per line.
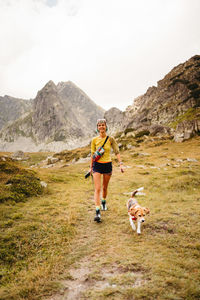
<point>97,217</point>
<point>103,205</point>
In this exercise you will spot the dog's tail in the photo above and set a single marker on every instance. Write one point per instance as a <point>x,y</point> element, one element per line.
<point>136,191</point>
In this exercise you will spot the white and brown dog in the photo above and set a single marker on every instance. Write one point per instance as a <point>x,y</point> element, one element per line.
<point>136,212</point>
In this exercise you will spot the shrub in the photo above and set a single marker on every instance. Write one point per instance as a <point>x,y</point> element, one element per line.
<point>118,134</point>
<point>25,185</point>
<point>17,183</point>
<point>8,167</point>
<point>192,86</point>
<point>128,130</point>
<point>195,93</point>
<point>178,80</point>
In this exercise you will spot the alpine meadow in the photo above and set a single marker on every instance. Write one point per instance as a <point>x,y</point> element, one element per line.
<point>50,246</point>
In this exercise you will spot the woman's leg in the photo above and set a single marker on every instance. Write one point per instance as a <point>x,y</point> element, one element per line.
<point>106,179</point>
<point>97,186</point>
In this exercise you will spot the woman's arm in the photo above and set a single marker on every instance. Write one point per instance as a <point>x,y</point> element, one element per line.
<point>91,163</point>
<point>93,147</point>
<point>120,163</point>
<point>116,151</point>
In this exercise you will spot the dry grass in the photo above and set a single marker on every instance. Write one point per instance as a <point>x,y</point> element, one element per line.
<point>48,235</point>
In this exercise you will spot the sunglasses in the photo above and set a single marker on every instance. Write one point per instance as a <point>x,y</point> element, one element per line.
<point>101,121</point>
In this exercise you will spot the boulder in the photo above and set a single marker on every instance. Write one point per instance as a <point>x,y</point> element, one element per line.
<point>186,129</point>
<point>159,130</point>
<point>130,134</point>
<point>19,155</point>
<point>52,160</point>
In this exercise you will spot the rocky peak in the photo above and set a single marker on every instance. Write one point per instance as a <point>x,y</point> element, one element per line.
<point>68,91</point>
<point>68,84</point>
<point>112,115</point>
<point>79,105</point>
<point>48,112</point>
<point>60,116</point>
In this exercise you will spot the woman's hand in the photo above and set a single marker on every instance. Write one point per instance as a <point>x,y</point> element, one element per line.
<point>121,168</point>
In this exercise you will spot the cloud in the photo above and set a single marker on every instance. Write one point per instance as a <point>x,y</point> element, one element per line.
<point>113,50</point>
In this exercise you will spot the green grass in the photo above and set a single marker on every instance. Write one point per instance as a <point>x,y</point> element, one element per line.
<point>48,236</point>
<point>73,154</point>
<point>36,157</point>
<point>17,183</point>
<point>190,114</point>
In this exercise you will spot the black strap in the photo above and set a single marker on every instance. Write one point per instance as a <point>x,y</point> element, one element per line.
<point>105,141</point>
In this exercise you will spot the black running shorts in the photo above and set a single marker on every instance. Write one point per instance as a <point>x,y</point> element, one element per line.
<point>102,168</point>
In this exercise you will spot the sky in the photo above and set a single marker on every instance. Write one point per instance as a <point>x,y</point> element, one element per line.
<point>114,50</point>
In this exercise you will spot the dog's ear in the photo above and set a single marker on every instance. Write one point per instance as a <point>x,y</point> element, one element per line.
<point>147,211</point>
<point>132,211</point>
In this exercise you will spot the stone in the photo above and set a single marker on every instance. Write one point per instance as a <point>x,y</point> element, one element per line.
<point>144,154</point>
<point>43,184</point>
<point>19,155</point>
<point>186,129</point>
<point>192,159</point>
<point>51,160</point>
<point>82,160</point>
<point>130,134</point>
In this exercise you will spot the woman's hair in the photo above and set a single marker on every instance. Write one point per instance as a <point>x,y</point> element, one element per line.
<point>100,121</point>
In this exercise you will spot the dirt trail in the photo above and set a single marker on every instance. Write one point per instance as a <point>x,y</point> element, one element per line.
<point>80,282</point>
<point>88,274</point>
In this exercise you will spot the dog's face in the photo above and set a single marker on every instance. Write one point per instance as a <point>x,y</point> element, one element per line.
<point>139,213</point>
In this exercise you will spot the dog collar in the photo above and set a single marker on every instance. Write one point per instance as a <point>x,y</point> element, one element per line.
<point>132,217</point>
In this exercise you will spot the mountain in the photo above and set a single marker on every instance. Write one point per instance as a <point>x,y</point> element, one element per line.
<point>61,116</point>
<point>12,108</point>
<point>173,107</point>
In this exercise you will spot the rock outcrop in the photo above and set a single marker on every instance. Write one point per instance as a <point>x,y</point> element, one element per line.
<point>115,117</point>
<point>186,129</point>
<point>176,99</point>
<point>48,118</point>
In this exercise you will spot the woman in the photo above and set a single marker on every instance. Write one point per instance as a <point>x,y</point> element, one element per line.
<point>103,166</point>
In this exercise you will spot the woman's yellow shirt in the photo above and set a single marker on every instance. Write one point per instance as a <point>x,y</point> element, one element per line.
<point>111,143</point>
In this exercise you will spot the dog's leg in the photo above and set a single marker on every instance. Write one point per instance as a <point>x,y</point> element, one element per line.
<point>138,227</point>
<point>132,224</point>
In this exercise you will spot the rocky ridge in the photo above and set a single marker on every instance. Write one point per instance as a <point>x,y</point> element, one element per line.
<point>173,107</point>
<point>61,116</point>
<point>12,108</point>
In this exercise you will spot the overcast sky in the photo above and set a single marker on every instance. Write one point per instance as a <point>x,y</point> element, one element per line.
<point>112,49</point>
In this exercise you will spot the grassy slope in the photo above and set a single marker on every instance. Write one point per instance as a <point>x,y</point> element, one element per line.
<point>54,233</point>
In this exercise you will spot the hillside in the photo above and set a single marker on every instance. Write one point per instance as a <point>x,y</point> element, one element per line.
<point>172,107</point>
<point>54,249</point>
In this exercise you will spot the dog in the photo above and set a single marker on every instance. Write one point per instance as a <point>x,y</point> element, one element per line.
<point>136,212</point>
